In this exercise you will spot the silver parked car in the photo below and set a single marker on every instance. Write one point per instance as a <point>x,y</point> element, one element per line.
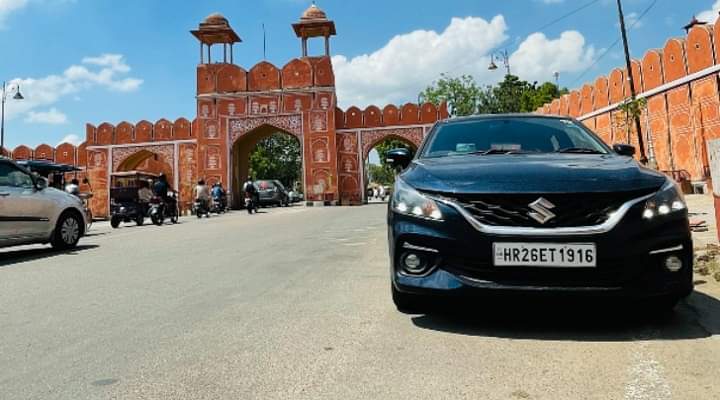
<point>32,212</point>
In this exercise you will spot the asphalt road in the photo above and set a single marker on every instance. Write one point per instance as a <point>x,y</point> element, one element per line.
<point>295,304</point>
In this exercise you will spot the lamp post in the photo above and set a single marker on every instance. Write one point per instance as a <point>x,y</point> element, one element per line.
<point>501,56</point>
<point>3,97</point>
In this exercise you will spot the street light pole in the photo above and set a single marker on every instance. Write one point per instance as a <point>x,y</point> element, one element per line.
<point>502,55</point>
<point>631,81</point>
<point>3,98</point>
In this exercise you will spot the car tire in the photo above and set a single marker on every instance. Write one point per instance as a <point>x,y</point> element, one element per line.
<point>67,231</point>
<point>115,222</point>
<point>407,303</point>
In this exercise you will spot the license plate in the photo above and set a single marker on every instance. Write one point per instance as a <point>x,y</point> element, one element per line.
<point>545,254</point>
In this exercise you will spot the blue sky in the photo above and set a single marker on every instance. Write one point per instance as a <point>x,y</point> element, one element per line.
<point>102,60</point>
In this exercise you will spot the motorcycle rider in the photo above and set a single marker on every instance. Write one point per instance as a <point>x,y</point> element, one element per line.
<point>161,189</point>
<point>251,191</point>
<point>202,194</point>
<point>218,195</point>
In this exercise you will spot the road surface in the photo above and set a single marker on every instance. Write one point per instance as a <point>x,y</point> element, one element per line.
<point>295,304</point>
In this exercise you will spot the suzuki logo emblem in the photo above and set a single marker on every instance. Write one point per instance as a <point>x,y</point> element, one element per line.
<point>541,210</point>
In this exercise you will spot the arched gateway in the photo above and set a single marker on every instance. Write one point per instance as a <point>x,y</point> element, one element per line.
<point>238,107</point>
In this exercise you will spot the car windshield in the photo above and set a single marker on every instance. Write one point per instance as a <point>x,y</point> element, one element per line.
<point>512,135</point>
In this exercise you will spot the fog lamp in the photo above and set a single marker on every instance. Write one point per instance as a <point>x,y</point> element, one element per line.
<point>413,263</point>
<point>673,263</point>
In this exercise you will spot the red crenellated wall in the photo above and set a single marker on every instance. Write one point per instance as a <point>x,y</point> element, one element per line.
<point>683,111</point>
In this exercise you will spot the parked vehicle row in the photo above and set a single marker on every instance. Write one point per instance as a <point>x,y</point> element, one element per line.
<point>33,211</point>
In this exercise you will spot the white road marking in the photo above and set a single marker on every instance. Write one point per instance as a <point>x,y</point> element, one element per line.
<point>647,381</point>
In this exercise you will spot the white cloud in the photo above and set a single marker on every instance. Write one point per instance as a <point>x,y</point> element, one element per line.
<point>72,139</point>
<point>409,62</point>
<point>633,21</point>
<point>8,6</point>
<point>51,116</point>
<point>48,90</point>
<point>710,15</point>
<point>538,57</point>
<point>401,69</point>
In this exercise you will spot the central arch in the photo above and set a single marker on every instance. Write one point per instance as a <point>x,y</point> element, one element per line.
<point>400,140</point>
<point>242,148</point>
<point>147,161</point>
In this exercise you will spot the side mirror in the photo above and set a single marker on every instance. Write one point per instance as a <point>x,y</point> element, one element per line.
<point>41,183</point>
<point>624,149</point>
<point>399,158</point>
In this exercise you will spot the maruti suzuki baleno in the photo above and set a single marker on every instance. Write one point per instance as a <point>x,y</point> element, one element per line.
<point>531,203</point>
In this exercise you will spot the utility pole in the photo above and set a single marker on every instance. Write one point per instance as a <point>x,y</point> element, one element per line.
<point>631,81</point>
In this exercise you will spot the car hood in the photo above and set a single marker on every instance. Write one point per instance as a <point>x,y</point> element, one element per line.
<point>531,173</point>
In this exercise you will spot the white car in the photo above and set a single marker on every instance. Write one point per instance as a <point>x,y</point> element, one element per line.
<point>31,212</point>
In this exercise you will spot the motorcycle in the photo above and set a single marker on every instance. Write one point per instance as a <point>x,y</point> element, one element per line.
<point>218,205</point>
<point>200,207</point>
<point>250,204</point>
<point>157,214</point>
<point>159,210</point>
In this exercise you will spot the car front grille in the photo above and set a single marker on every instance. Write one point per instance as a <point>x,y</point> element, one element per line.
<point>570,209</point>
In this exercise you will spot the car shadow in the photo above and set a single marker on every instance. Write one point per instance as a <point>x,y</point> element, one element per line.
<point>698,316</point>
<point>14,257</point>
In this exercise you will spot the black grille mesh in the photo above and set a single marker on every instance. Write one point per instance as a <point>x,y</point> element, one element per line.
<point>571,209</point>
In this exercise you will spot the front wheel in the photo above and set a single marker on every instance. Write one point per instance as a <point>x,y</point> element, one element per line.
<point>67,232</point>
<point>115,221</point>
<point>407,303</point>
<point>157,219</point>
<point>140,220</point>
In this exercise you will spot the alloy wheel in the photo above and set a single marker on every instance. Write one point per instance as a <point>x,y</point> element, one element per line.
<point>70,230</point>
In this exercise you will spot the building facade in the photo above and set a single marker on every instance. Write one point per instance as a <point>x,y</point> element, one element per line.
<point>236,108</point>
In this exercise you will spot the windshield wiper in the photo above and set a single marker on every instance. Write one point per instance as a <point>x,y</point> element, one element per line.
<point>496,151</point>
<point>581,150</point>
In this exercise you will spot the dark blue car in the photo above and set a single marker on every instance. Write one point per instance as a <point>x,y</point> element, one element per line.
<point>529,203</point>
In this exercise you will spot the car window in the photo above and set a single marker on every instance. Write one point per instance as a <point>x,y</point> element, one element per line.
<point>13,177</point>
<point>537,135</point>
<point>264,185</point>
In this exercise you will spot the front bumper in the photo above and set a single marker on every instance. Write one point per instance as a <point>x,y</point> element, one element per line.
<point>460,259</point>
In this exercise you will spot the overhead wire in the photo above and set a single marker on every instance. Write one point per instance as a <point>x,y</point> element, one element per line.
<point>613,44</point>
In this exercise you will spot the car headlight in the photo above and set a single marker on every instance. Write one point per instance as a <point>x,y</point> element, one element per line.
<point>667,200</point>
<point>408,201</point>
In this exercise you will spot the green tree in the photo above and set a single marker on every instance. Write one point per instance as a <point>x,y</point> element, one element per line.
<point>465,97</point>
<point>460,93</point>
<point>278,156</point>
<point>381,174</point>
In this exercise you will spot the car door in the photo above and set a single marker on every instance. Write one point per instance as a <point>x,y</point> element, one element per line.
<point>25,211</point>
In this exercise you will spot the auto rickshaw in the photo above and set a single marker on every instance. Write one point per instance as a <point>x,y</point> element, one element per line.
<point>53,172</point>
<point>125,204</point>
